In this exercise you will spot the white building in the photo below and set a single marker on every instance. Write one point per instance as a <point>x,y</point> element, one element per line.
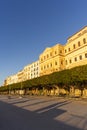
<point>34,70</point>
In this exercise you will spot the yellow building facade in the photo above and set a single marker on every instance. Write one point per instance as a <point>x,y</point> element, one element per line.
<point>51,60</point>
<point>60,57</point>
<point>26,72</point>
<point>11,79</point>
<point>76,49</point>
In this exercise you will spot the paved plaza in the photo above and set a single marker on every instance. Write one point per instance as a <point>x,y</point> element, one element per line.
<point>42,113</point>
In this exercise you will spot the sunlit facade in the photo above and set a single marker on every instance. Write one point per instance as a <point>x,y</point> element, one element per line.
<point>20,76</point>
<point>26,73</point>
<point>11,79</point>
<point>52,59</point>
<point>76,49</point>
<point>60,57</point>
<point>31,71</point>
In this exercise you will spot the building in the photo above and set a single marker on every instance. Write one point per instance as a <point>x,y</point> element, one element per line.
<point>11,79</point>
<point>60,57</point>
<point>31,71</point>
<point>34,70</point>
<point>52,59</point>
<point>26,72</point>
<point>20,76</point>
<point>75,50</point>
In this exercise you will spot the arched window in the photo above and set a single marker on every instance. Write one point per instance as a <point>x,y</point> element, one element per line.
<point>75,58</point>
<point>80,57</point>
<point>50,64</point>
<point>55,62</point>
<point>50,53</point>
<point>65,51</point>
<point>55,52</point>
<point>79,43</point>
<point>68,49</point>
<point>74,46</point>
<point>47,65</point>
<point>44,57</point>
<point>44,67</point>
<point>47,56</point>
<point>41,59</point>
<point>85,55</point>
<point>41,68</point>
<point>70,61</point>
<point>66,62</point>
<point>84,40</point>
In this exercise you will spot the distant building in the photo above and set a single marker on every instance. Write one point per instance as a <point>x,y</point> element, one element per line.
<point>31,71</point>
<point>20,76</point>
<point>34,70</point>
<point>11,79</point>
<point>26,74</point>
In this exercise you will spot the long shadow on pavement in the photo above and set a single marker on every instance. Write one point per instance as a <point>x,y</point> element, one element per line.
<point>15,118</point>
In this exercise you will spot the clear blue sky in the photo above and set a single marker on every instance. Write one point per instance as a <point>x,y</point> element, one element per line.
<point>27,27</point>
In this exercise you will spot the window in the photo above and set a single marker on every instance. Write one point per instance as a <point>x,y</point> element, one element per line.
<point>70,61</point>
<point>61,62</point>
<point>65,51</point>
<point>55,52</point>
<point>50,53</point>
<point>60,51</point>
<point>68,49</point>
<point>50,64</point>
<point>66,62</point>
<point>41,68</point>
<point>44,67</point>
<point>41,59</point>
<point>85,55</point>
<point>80,57</point>
<point>75,58</point>
<point>84,40</point>
<point>47,56</point>
<point>44,57</point>
<point>47,66</point>
<point>55,62</point>
<point>79,43</point>
<point>74,46</point>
